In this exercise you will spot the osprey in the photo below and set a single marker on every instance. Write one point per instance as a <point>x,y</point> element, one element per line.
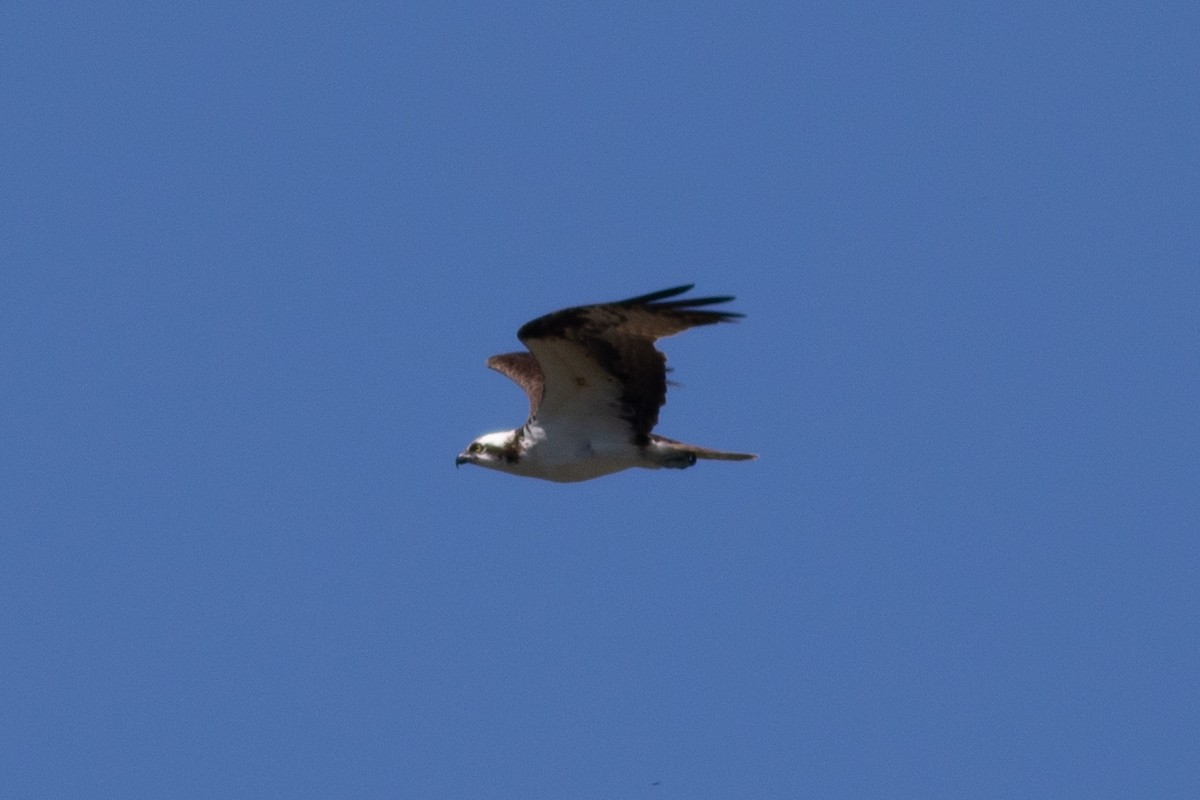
<point>595,383</point>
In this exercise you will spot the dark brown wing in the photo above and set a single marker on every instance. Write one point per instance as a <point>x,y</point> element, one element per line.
<point>601,359</point>
<point>522,369</point>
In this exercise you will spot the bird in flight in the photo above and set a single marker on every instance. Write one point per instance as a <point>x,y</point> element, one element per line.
<point>595,383</point>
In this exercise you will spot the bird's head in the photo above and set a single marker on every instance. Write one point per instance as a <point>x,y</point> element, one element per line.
<point>492,450</point>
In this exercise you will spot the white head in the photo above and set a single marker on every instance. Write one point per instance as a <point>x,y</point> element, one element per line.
<point>500,451</point>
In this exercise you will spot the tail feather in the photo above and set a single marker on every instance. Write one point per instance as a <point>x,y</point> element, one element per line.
<point>702,452</point>
<point>720,455</point>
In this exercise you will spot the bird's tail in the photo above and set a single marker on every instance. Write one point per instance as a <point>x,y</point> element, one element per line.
<point>701,452</point>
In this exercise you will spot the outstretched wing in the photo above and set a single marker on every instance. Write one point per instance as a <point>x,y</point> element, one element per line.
<point>523,370</point>
<point>600,362</point>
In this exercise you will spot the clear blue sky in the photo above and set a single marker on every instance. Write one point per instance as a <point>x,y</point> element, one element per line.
<point>254,257</point>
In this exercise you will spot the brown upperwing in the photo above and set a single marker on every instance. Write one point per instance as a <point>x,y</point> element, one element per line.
<point>523,370</point>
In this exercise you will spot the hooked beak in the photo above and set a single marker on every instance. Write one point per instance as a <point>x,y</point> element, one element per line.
<point>458,462</point>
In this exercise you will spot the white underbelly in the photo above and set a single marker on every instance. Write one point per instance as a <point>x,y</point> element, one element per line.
<point>580,470</point>
<point>581,461</point>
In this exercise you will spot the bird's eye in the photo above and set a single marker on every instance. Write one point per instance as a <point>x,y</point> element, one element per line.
<point>475,447</point>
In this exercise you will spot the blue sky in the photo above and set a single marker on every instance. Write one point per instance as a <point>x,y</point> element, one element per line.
<point>256,255</point>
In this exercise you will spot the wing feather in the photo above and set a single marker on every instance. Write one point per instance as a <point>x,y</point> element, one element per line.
<point>522,369</point>
<point>600,360</point>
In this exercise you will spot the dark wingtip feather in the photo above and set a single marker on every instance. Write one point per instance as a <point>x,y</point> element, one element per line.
<point>697,301</point>
<point>555,323</point>
<point>650,298</point>
<point>683,304</point>
<point>688,305</point>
